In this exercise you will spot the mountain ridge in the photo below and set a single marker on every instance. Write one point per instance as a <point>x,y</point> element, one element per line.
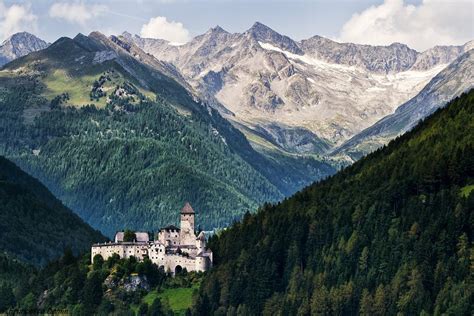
<point>29,209</point>
<point>455,79</point>
<point>18,45</point>
<point>390,234</point>
<point>100,97</point>
<point>260,78</point>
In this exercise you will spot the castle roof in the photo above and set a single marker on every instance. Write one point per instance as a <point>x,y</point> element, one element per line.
<point>187,209</point>
<point>204,254</point>
<point>201,236</point>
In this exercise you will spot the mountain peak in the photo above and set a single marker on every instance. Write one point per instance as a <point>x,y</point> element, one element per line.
<point>18,45</point>
<point>259,26</point>
<point>127,35</point>
<point>22,37</point>
<point>400,45</point>
<point>263,33</point>
<point>217,29</point>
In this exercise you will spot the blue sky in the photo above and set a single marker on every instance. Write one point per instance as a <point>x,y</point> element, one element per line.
<point>362,21</point>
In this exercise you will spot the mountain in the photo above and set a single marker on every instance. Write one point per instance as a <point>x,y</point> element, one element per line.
<point>391,234</point>
<point>394,58</point>
<point>455,79</point>
<point>35,227</point>
<point>113,134</point>
<point>267,84</point>
<point>18,45</point>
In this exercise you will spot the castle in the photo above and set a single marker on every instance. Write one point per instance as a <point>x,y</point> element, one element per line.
<point>174,248</point>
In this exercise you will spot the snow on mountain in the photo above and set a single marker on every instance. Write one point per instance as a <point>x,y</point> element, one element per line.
<point>18,45</point>
<point>260,79</point>
<point>381,59</point>
<point>455,79</point>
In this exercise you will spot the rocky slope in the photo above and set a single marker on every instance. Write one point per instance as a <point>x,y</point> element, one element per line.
<point>391,234</point>
<point>18,45</point>
<point>145,145</point>
<point>260,79</point>
<point>449,83</point>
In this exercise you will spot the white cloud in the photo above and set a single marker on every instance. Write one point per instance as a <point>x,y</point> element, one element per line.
<point>432,22</point>
<point>160,27</point>
<point>16,18</point>
<point>78,12</point>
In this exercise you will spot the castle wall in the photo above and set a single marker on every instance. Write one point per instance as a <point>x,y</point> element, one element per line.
<point>169,237</point>
<point>173,260</point>
<point>174,247</point>
<point>187,236</point>
<point>124,250</point>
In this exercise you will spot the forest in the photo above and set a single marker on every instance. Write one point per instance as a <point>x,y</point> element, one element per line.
<point>131,157</point>
<point>72,285</point>
<point>391,234</point>
<point>35,227</point>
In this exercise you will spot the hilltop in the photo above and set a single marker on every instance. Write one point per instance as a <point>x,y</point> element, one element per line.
<point>390,234</point>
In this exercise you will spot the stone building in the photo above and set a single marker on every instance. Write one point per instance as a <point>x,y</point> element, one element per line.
<point>172,249</point>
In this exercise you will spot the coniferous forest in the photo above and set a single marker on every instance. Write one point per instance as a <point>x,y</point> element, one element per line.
<point>134,160</point>
<point>35,227</point>
<point>98,136</point>
<point>391,234</point>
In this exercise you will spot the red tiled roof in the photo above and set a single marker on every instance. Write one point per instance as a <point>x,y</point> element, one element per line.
<point>187,209</point>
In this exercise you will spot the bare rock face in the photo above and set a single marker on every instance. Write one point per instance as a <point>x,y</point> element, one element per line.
<point>455,79</point>
<point>334,90</point>
<point>440,55</point>
<point>103,56</point>
<point>136,282</point>
<point>130,283</point>
<point>380,59</point>
<point>263,33</point>
<point>18,45</point>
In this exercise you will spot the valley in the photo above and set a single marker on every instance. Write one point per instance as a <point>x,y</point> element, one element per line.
<point>116,132</point>
<point>327,176</point>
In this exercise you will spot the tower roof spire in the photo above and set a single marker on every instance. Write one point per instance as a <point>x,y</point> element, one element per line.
<point>187,209</point>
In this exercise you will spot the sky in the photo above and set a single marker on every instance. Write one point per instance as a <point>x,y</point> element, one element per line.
<point>421,24</point>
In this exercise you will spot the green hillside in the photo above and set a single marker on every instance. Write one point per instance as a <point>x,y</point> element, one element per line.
<point>124,145</point>
<point>73,286</point>
<point>390,235</point>
<point>34,226</point>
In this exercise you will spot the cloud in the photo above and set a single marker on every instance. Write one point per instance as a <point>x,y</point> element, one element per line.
<point>432,22</point>
<point>160,27</point>
<point>79,13</point>
<point>16,18</point>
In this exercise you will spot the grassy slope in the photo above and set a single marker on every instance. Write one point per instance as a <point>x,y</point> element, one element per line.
<point>178,299</point>
<point>67,66</point>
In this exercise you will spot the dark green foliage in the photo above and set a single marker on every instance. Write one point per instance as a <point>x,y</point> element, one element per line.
<point>34,225</point>
<point>156,308</point>
<point>135,162</point>
<point>98,262</point>
<point>7,299</point>
<point>73,284</point>
<point>143,309</point>
<point>391,234</point>
<point>129,236</point>
<point>93,292</point>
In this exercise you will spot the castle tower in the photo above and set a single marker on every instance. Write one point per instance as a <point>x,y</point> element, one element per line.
<point>187,236</point>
